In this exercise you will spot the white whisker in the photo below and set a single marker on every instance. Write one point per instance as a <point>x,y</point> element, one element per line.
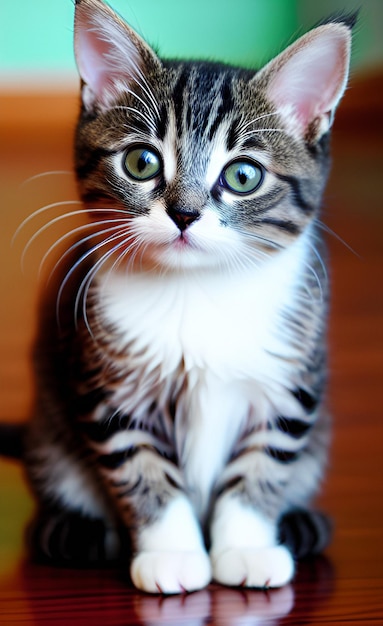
<point>261,240</point>
<point>148,121</point>
<point>331,232</point>
<point>43,229</point>
<point>82,241</point>
<point>75,266</point>
<point>47,207</point>
<point>51,173</point>
<point>83,290</point>
<point>255,120</point>
<point>93,270</point>
<point>144,104</point>
<point>146,88</point>
<point>315,274</point>
<point>124,253</point>
<point>249,133</point>
<point>56,220</point>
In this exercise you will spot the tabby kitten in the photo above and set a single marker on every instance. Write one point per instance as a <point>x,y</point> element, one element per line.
<point>180,362</point>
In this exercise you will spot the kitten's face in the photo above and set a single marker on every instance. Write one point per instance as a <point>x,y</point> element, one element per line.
<point>201,179</point>
<point>201,165</point>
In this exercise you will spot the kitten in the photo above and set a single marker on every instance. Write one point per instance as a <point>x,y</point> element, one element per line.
<point>181,361</point>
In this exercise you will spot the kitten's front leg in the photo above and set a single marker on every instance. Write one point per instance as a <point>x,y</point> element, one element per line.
<point>170,556</point>
<point>244,548</point>
<point>271,468</point>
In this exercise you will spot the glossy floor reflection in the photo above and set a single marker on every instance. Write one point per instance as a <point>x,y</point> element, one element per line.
<point>47,595</point>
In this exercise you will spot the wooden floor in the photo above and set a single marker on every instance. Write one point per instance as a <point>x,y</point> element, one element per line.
<point>345,586</point>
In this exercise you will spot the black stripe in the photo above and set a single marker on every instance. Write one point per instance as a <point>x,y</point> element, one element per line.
<point>233,134</point>
<point>162,122</point>
<point>87,162</point>
<point>284,456</point>
<point>286,225</point>
<point>305,532</point>
<point>295,183</point>
<point>87,402</point>
<point>269,201</point>
<point>172,482</point>
<point>107,427</point>
<point>116,459</point>
<point>254,143</point>
<point>225,106</point>
<point>129,491</point>
<point>227,95</point>
<point>118,484</point>
<point>189,115</point>
<point>178,97</point>
<point>306,399</point>
<point>230,484</point>
<point>215,125</point>
<point>294,427</point>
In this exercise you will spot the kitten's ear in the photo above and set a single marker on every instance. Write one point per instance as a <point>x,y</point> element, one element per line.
<point>109,54</point>
<point>307,80</point>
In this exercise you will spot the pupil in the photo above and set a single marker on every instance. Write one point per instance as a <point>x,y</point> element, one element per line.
<point>242,177</point>
<point>143,161</point>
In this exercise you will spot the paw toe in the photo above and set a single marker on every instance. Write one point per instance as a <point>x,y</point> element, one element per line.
<point>261,568</point>
<point>170,572</point>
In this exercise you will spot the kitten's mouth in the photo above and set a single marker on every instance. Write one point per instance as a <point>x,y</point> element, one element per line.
<point>183,241</point>
<point>186,243</point>
<point>181,252</point>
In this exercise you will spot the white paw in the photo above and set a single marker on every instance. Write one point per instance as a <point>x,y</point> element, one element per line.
<point>253,567</point>
<point>170,572</point>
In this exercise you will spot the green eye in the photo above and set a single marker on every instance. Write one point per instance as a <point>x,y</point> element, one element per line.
<point>142,163</point>
<point>242,177</point>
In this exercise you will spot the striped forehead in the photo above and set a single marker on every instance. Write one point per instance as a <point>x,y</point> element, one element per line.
<point>201,96</point>
<point>199,121</point>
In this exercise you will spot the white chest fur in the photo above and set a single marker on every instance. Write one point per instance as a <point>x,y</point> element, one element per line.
<point>227,332</point>
<point>221,322</point>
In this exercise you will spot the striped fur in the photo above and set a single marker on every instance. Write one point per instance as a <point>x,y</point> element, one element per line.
<point>181,361</point>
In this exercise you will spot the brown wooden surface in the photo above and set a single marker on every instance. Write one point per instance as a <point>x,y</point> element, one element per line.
<point>343,587</point>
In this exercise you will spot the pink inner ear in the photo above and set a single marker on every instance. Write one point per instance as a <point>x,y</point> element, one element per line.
<point>92,64</point>
<point>107,51</point>
<point>311,81</point>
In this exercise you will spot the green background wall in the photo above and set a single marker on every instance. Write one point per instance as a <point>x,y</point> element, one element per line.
<point>36,35</point>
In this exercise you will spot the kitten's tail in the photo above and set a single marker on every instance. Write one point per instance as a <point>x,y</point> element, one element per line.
<point>12,440</point>
<point>305,532</point>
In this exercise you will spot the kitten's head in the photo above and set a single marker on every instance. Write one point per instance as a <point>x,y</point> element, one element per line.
<point>195,164</point>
